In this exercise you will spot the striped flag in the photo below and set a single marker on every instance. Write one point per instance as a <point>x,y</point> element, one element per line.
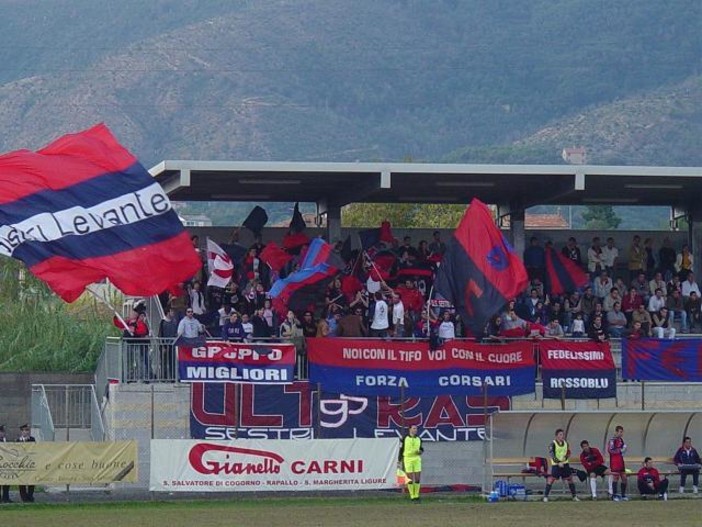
<point>219,264</point>
<point>84,209</point>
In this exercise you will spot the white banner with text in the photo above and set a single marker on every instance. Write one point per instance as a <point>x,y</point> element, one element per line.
<point>179,465</point>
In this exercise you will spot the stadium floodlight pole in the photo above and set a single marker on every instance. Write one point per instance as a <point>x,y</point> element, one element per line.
<point>104,300</point>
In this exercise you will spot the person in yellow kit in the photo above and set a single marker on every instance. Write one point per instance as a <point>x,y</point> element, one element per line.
<point>559,453</point>
<point>411,458</point>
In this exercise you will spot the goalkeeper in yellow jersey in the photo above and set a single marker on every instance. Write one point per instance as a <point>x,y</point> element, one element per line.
<point>411,458</point>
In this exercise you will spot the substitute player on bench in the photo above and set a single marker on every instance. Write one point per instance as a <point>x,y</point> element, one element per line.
<point>592,461</point>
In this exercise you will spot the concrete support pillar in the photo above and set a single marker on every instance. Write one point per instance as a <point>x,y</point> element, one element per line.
<point>516,223</point>
<point>333,223</point>
<point>695,239</point>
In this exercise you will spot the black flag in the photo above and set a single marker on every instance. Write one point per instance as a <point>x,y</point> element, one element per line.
<point>297,224</point>
<point>256,220</point>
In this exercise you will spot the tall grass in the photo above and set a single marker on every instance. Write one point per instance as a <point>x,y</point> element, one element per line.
<point>40,332</point>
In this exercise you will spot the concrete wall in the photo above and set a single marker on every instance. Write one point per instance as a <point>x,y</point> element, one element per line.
<point>138,411</point>
<point>16,395</point>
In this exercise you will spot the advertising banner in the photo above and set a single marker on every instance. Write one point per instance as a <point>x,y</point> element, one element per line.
<point>222,361</point>
<point>585,370</point>
<point>381,367</point>
<point>68,463</point>
<point>298,411</point>
<point>262,465</point>
<point>662,360</point>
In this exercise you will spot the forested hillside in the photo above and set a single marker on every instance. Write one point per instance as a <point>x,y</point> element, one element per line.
<point>331,79</point>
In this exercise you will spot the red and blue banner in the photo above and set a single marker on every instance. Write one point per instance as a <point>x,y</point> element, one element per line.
<point>577,370</point>
<point>479,272</point>
<point>83,209</point>
<point>227,362</point>
<point>299,411</point>
<point>662,360</point>
<point>394,368</point>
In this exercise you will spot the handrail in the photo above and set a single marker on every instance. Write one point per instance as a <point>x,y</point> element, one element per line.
<point>76,404</point>
<point>42,419</point>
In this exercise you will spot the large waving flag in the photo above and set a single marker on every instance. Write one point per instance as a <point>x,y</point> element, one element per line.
<point>275,257</point>
<point>84,209</point>
<point>480,271</point>
<point>219,264</point>
<point>372,237</point>
<point>302,289</point>
<point>563,274</point>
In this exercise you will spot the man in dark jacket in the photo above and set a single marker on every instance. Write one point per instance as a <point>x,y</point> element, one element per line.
<point>352,325</point>
<point>26,491</point>
<point>688,462</point>
<point>4,489</point>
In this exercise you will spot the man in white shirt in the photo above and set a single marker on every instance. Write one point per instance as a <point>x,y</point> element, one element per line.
<point>656,302</point>
<point>594,258</point>
<point>689,285</point>
<point>248,327</point>
<point>447,329</point>
<point>609,256</point>
<point>380,324</point>
<point>197,299</point>
<point>398,315</point>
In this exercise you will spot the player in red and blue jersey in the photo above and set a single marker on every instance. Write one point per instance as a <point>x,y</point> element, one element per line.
<point>616,448</point>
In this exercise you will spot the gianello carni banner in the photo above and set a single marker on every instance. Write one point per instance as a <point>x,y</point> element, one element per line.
<point>179,465</point>
<point>381,367</point>
<point>584,369</point>
<point>298,411</point>
<point>662,360</point>
<point>227,362</point>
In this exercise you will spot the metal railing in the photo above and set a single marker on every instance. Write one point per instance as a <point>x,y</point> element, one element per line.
<point>154,359</point>
<point>66,407</point>
<point>42,421</point>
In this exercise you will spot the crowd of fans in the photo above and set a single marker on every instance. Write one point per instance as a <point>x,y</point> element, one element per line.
<point>636,292</point>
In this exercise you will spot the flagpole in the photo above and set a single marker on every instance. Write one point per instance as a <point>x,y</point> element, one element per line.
<point>355,264</point>
<point>105,301</point>
<point>375,267</point>
<point>431,292</point>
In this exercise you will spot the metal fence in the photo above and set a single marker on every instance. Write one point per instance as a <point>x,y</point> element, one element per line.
<point>42,421</point>
<point>154,359</point>
<point>130,360</point>
<point>60,409</point>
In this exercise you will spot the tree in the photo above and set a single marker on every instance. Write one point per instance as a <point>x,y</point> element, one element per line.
<point>601,218</point>
<point>402,215</point>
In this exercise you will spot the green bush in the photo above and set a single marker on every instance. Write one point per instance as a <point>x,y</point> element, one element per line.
<point>40,332</point>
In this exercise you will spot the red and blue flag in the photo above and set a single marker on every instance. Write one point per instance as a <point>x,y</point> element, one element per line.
<point>562,274</point>
<point>480,271</point>
<point>302,289</point>
<point>83,209</point>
